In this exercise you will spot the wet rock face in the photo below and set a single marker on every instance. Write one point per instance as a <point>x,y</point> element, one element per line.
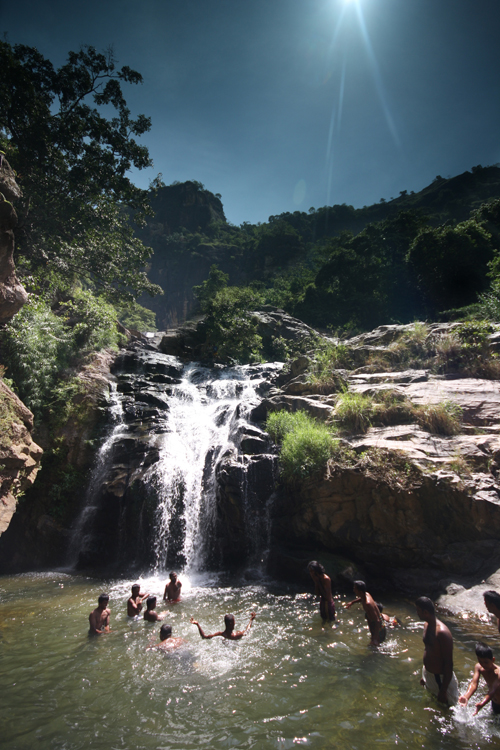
<point>19,454</point>
<point>12,293</point>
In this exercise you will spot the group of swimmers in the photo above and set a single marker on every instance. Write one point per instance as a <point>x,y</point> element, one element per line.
<point>437,672</point>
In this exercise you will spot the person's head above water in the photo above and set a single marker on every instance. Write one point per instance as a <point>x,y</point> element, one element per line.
<point>165,632</point>
<point>316,567</point>
<point>424,604</point>
<point>229,622</point>
<point>484,652</point>
<point>151,602</point>
<point>135,589</point>
<point>360,586</point>
<point>492,597</point>
<point>173,577</point>
<point>103,600</point>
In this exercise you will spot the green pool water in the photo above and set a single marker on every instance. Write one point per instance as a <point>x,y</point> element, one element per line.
<point>289,683</point>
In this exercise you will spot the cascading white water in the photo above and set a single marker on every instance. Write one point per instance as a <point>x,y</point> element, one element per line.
<point>203,412</point>
<point>115,432</point>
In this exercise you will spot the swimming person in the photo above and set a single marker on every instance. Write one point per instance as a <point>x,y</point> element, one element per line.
<point>486,668</point>
<point>151,615</point>
<point>99,617</point>
<point>393,622</point>
<point>167,643</point>
<point>373,615</point>
<point>323,589</point>
<point>437,672</point>
<point>173,589</point>
<point>229,631</point>
<point>134,604</point>
<point>492,604</point>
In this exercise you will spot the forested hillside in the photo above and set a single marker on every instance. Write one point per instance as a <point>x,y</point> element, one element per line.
<point>418,255</point>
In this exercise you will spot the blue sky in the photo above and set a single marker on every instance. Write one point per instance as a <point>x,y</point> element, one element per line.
<point>280,105</point>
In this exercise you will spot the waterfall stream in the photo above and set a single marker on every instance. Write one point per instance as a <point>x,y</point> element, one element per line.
<point>176,429</point>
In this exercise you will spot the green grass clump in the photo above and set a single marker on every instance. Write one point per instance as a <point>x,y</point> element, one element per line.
<point>327,358</point>
<point>306,445</point>
<point>440,419</point>
<point>354,411</point>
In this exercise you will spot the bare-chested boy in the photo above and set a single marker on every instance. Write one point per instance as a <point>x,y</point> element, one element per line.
<point>151,615</point>
<point>437,672</point>
<point>323,589</point>
<point>486,668</point>
<point>376,623</point>
<point>172,589</point>
<point>229,631</point>
<point>492,604</point>
<point>167,643</point>
<point>99,617</point>
<point>134,604</point>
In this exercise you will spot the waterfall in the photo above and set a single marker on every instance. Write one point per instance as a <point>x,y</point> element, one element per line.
<point>206,412</point>
<point>180,457</point>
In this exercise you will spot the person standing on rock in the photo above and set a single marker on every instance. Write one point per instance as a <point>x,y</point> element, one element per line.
<point>437,672</point>
<point>323,589</point>
<point>492,604</point>
<point>373,615</point>
<point>99,617</point>
<point>172,592</point>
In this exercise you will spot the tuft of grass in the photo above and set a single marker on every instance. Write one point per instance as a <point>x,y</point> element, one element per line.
<point>392,407</point>
<point>306,444</point>
<point>328,358</point>
<point>354,411</point>
<point>440,419</point>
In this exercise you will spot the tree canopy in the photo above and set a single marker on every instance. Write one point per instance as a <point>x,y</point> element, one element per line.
<point>70,137</point>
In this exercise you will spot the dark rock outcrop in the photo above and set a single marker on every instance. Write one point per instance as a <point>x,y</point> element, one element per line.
<point>12,293</point>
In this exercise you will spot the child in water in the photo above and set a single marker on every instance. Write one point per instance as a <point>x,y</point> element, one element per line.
<point>486,668</point>
<point>323,589</point>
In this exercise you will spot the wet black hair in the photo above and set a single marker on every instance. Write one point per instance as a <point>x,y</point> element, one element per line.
<point>103,597</point>
<point>316,566</point>
<point>229,621</point>
<point>151,602</point>
<point>493,597</point>
<point>136,586</point>
<point>361,585</point>
<point>424,603</point>
<point>172,574</point>
<point>165,632</point>
<point>483,651</point>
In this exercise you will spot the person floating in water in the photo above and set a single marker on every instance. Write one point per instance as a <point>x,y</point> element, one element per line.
<point>492,604</point>
<point>99,617</point>
<point>229,631</point>
<point>393,622</point>
<point>323,589</point>
<point>134,604</point>
<point>167,643</point>
<point>437,672</point>
<point>151,615</point>
<point>373,615</point>
<point>486,668</point>
<point>173,589</point>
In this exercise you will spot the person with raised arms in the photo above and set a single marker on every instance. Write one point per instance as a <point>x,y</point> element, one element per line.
<point>229,629</point>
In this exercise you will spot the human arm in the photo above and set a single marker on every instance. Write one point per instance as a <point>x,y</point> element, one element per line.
<point>481,704</point>
<point>464,699</point>
<point>354,601</point>
<point>200,629</point>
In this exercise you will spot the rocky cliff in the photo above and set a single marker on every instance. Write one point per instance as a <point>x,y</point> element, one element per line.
<point>12,293</point>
